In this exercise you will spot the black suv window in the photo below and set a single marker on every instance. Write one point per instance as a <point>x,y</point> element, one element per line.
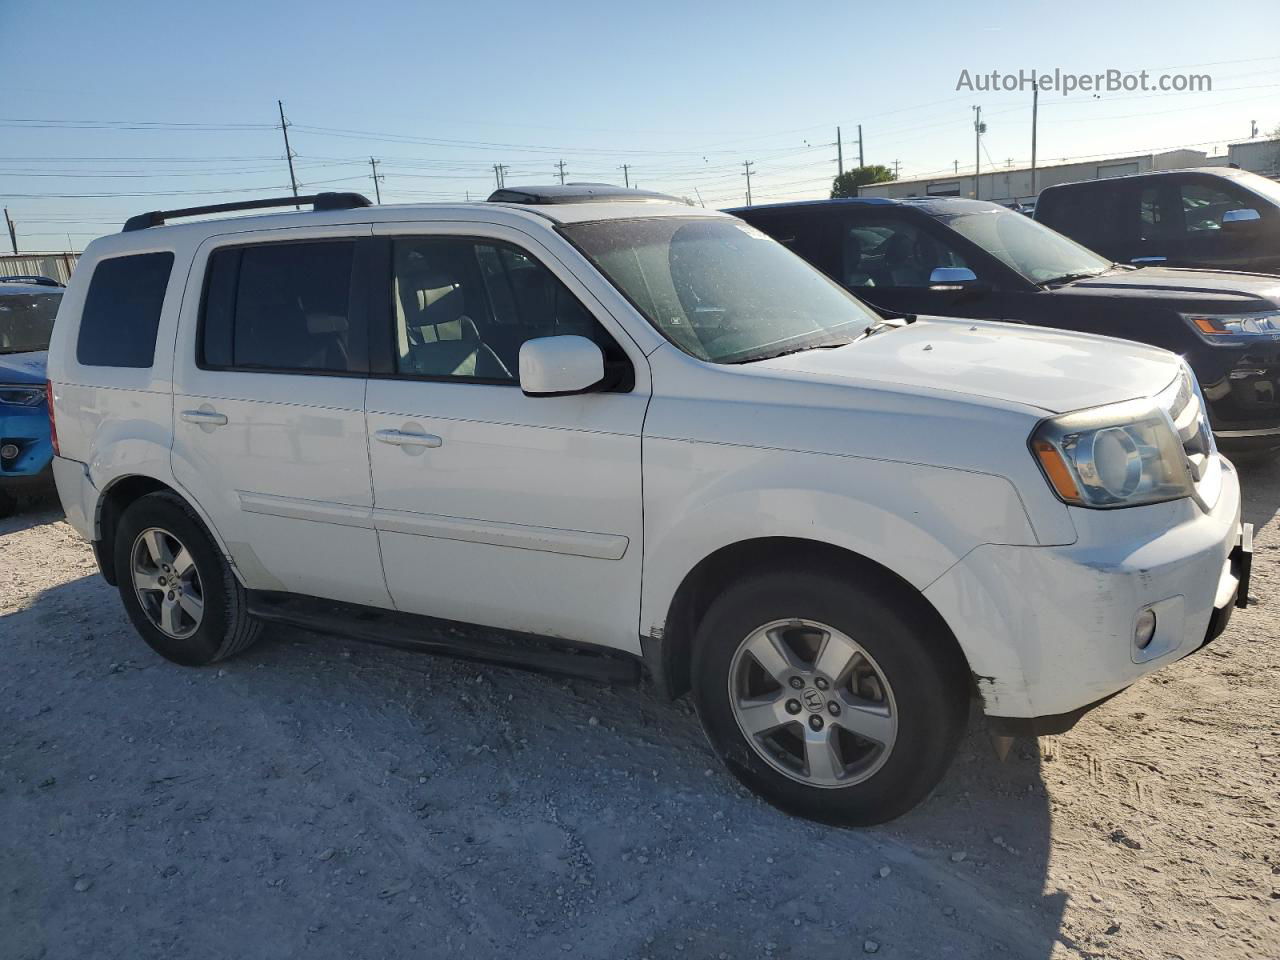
<point>1204,204</point>
<point>891,252</point>
<point>122,311</point>
<point>281,307</point>
<point>463,308</point>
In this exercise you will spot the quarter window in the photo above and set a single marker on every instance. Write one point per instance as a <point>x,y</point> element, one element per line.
<point>282,307</point>
<point>463,308</point>
<point>122,311</point>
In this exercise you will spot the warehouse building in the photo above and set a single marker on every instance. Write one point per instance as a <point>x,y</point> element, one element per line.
<point>1009,186</point>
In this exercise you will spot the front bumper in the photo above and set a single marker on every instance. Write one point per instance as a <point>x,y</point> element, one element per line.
<point>1049,631</point>
<point>28,431</point>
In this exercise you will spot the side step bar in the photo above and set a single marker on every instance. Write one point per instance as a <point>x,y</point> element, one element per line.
<point>408,631</point>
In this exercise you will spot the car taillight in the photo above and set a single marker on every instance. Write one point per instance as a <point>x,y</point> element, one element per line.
<point>53,426</point>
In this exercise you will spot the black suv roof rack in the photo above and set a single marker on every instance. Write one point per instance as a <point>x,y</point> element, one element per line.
<point>575,193</point>
<point>33,280</point>
<point>318,201</point>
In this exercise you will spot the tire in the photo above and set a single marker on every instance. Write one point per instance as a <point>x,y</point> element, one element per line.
<point>206,618</point>
<point>887,664</point>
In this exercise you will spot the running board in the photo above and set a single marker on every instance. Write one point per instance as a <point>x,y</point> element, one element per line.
<point>407,631</point>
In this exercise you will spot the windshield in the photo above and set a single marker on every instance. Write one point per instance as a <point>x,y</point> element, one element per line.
<point>1260,185</point>
<point>720,289</point>
<point>26,321</point>
<point>1038,253</point>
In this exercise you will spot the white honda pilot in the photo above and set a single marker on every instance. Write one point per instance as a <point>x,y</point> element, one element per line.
<point>605,430</point>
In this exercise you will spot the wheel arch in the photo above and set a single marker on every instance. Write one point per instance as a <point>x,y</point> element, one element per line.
<point>668,657</point>
<point>116,497</point>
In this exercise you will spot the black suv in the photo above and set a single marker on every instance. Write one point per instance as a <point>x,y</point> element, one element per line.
<point>1220,218</point>
<point>968,258</point>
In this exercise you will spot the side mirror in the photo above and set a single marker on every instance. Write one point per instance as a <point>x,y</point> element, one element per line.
<point>1239,218</point>
<point>951,276</point>
<point>559,366</point>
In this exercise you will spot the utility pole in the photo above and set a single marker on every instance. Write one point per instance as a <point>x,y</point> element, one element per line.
<point>897,165</point>
<point>626,174</point>
<point>560,165</point>
<point>746,165</point>
<point>284,128</point>
<point>839,154</point>
<point>13,233</point>
<point>1253,129</point>
<point>861,162</point>
<point>1035,111</point>
<point>500,174</point>
<point>978,129</point>
<point>957,166</point>
<point>699,196</point>
<point>376,177</point>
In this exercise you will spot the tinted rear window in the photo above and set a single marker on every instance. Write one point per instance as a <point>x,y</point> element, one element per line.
<point>122,311</point>
<point>282,307</point>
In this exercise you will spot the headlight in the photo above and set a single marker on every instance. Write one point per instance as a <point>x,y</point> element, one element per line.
<point>1120,455</point>
<point>21,395</point>
<point>1228,327</point>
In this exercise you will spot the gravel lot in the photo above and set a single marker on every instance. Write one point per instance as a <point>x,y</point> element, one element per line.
<point>321,799</point>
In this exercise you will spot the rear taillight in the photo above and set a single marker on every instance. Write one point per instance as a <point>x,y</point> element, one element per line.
<point>53,426</point>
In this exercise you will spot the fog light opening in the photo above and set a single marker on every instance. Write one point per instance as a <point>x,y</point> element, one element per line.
<point>9,451</point>
<point>1145,629</point>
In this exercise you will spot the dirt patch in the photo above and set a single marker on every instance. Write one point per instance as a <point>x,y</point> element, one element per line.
<point>331,800</point>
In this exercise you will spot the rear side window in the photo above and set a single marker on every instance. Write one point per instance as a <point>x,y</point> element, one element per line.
<point>122,311</point>
<point>283,307</point>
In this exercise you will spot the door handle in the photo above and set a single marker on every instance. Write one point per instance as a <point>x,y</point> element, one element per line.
<point>400,438</point>
<point>1137,260</point>
<point>209,418</point>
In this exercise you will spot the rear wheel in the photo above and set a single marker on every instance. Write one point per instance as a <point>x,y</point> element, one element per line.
<point>177,587</point>
<point>837,701</point>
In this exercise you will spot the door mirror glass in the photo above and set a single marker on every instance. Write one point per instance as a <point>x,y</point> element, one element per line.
<point>951,276</point>
<point>556,366</point>
<point>1247,215</point>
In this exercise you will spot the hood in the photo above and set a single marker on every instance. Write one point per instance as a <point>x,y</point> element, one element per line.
<point>23,367</point>
<point>1052,370</point>
<point>1246,291</point>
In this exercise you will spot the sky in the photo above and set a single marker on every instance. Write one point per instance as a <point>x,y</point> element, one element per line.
<point>112,108</point>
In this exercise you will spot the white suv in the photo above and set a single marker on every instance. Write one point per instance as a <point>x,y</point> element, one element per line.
<point>611,430</point>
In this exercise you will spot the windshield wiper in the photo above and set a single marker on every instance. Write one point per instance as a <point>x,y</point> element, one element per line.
<point>889,322</point>
<point>824,345</point>
<point>1073,277</point>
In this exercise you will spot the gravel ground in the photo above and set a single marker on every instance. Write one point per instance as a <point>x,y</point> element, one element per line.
<point>322,799</point>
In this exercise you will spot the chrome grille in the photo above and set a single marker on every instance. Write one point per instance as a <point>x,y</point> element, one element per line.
<point>1184,404</point>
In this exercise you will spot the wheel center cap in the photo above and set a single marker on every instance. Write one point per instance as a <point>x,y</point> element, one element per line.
<point>814,700</point>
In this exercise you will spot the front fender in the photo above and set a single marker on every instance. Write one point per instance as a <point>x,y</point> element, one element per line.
<point>914,520</point>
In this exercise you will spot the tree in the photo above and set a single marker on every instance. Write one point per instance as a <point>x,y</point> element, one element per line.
<point>847,183</point>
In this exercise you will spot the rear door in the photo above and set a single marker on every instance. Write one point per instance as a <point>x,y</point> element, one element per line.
<point>493,507</point>
<point>269,432</point>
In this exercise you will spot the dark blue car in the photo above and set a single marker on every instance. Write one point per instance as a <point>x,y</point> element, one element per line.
<point>28,306</point>
<point>965,258</point>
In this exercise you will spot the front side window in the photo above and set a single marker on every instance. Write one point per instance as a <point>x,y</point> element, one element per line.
<point>891,252</point>
<point>1032,249</point>
<point>719,289</point>
<point>122,311</point>
<point>463,307</point>
<point>1203,206</point>
<point>281,307</point>
<point>26,321</point>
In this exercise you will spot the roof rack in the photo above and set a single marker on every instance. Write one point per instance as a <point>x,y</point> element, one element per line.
<point>318,201</point>
<point>575,193</point>
<point>33,280</point>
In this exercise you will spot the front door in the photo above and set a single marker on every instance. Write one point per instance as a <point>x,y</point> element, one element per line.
<point>269,429</point>
<point>888,259</point>
<point>494,507</point>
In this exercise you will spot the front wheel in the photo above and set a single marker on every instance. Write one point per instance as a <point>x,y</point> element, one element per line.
<point>837,701</point>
